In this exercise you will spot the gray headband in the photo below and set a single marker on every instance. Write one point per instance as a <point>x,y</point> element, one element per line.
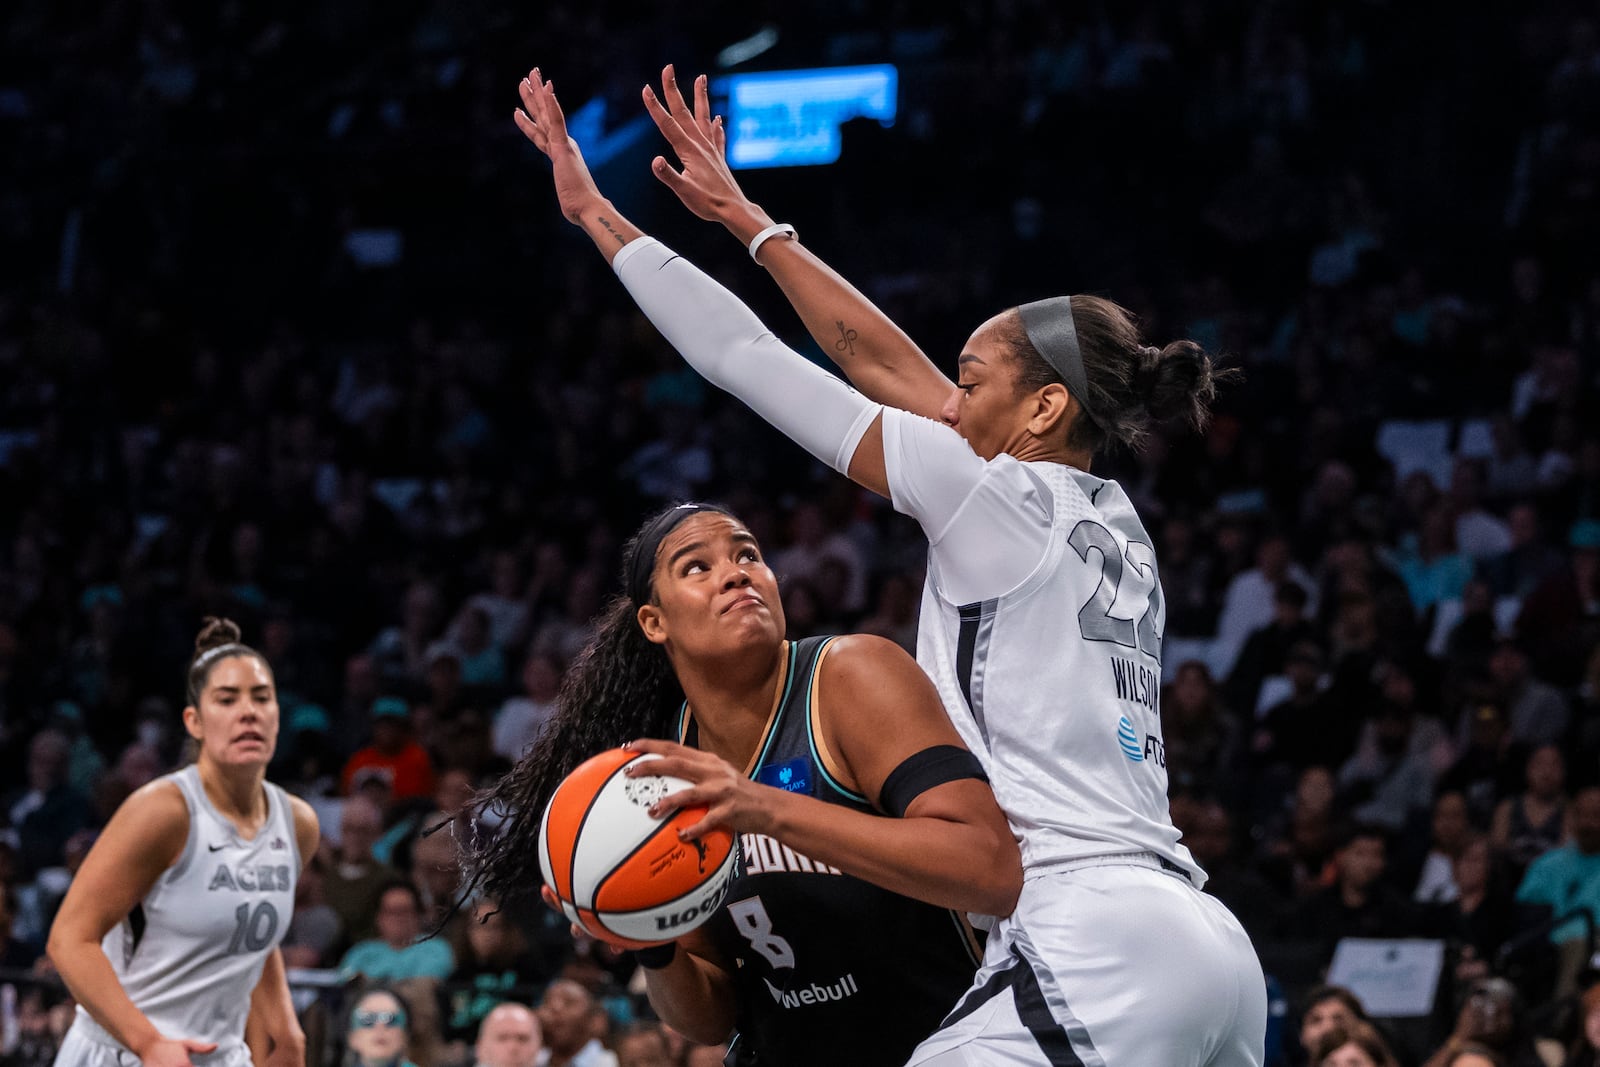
<point>1053,334</point>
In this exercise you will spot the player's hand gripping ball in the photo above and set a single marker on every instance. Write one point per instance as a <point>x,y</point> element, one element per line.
<point>617,871</point>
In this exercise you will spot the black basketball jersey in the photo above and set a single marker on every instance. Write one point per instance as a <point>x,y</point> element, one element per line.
<point>827,968</point>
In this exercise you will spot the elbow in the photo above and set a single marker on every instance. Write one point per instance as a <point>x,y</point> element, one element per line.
<point>1004,885</point>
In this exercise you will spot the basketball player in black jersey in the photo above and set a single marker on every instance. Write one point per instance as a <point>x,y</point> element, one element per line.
<point>865,828</point>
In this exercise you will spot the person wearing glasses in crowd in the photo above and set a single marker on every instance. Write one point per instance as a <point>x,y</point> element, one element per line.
<point>379,1033</point>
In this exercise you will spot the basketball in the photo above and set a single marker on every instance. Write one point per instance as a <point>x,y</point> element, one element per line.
<point>620,873</point>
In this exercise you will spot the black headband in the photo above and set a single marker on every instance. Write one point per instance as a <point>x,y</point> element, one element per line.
<point>1054,335</point>
<point>643,562</point>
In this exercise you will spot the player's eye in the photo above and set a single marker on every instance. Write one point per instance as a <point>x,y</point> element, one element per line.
<point>748,555</point>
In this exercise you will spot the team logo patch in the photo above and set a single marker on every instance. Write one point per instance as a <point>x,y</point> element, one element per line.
<point>793,775</point>
<point>1129,740</point>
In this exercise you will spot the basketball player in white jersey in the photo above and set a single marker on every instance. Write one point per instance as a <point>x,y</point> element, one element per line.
<point>168,937</point>
<point>1042,617</point>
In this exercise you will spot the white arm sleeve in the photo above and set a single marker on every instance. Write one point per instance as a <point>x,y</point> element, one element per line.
<point>723,340</point>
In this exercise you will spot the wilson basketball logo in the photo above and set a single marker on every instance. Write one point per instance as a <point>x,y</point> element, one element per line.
<point>620,873</point>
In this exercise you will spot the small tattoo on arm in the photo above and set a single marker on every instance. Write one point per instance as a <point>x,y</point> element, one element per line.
<point>606,223</point>
<point>847,338</point>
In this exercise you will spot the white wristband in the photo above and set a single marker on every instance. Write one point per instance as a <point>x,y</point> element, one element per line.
<point>771,231</point>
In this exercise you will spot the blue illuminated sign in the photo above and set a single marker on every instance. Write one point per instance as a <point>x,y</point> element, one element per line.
<point>791,118</point>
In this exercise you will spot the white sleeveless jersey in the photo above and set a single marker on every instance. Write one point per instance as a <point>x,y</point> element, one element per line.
<point>190,953</point>
<point>1041,626</point>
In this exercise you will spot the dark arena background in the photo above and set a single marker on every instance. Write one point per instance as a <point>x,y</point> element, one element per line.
<point>291,331</point>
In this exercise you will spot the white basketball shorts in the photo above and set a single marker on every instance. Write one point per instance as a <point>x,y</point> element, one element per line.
<point>1110,963</point>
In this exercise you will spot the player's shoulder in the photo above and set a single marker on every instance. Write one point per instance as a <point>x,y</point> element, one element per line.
<point>851,654</point>
<point>866,668</point>
<point>307,830</point>
<point>156,811</point>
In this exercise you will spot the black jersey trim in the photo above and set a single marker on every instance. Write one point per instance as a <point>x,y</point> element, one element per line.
<point>136,928</point>
<point>972,654</point>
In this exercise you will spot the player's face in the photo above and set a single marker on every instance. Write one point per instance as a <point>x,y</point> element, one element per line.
<point>377,1029</point>
<point>713,593</point>
<point>236,722</point>
<point>985,407</point>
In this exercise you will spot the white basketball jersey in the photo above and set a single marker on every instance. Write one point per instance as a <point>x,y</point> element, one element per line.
<point>1041,626</point>
<point>190,953</point>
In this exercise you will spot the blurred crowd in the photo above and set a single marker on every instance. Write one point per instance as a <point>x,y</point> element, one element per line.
<point>291,331</point>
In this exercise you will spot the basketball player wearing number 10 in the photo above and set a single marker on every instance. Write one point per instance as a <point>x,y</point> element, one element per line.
<point>1041,618</point>
<point>168,937</point>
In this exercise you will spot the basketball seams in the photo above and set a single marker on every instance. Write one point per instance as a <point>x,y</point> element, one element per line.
<point>597,800</point>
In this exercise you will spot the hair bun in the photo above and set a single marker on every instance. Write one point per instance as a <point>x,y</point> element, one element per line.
<point>1181,382</point>
<point>216,632</point>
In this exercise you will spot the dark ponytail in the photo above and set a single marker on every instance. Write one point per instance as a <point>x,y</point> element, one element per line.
<point>620,688</point>
<point>218,639</point>
<point>1130,386</point>
<point>1179,382</point>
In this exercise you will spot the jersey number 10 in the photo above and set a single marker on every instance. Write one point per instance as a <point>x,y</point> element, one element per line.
<point>1128,583</point>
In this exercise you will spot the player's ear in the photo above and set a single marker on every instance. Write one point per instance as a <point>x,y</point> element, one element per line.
<point>191,721</point>
<point>1052,408</point>
<point>653,623</point>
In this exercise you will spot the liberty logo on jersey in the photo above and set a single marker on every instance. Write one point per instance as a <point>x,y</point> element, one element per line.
<point>814,993</point>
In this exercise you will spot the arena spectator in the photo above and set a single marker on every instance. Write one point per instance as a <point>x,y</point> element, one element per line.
<point>400,951</point>
<point>642,1045</point>
<point>508,1037</point>
<point>1354,1044</point>
<point>394,757</point>
<point>1358,903</point>
<point>355,878</point>
<point>1452,832</point>
<point>520,718</point>
<point>567,1014</point>
<point>1534,821</point>
<point>47,810</point>
<point>378,1032</point>
<point>1567,878</point>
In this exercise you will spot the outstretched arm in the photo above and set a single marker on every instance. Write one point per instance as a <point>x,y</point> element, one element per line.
<point>873,352</point>
<point>709,326</point>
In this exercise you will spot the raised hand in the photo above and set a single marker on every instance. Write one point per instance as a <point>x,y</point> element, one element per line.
<point>704,182</point>
<point>541,121</point>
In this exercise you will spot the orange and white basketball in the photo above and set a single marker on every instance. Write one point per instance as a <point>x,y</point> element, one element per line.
<point>620,873</point>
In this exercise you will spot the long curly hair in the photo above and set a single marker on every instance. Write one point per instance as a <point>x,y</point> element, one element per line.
<point>620,688</point>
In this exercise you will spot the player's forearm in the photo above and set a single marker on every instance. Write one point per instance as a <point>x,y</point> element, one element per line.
<point>692,997</point>
<point>874,353</point>
<point>605,226</point>
<point>272,1006</point>
<point>87,972</point>
<point>947,862</point>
